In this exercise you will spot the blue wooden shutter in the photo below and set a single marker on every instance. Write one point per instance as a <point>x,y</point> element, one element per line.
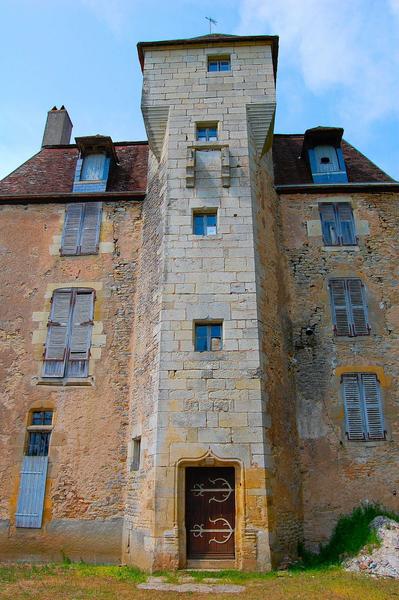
<point>93,167</point>
<point>358,307</point>
<point>57,334</point>
<point>339,306</point>
<point>346,224</point>
<point>32,487</point>
<point>327,160</point>
<point>328,224</point>
<point>353,407</point>
<point>72,227</point>
<point>91,228</point>
<point>372,406</point>
<point>82,321</point>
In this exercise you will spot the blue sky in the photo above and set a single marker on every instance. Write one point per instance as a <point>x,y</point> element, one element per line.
<point>338,65</point>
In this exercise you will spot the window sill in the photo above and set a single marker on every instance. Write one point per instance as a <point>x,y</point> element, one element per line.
<point>338,248</point>
<point>71,381</point>
<point>365,443</point>
<point>219,73</point>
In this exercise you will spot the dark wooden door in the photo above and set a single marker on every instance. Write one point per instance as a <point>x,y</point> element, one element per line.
<point>210,512</point>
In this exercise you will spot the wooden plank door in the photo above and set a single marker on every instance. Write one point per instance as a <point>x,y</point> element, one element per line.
<point>210,512</point>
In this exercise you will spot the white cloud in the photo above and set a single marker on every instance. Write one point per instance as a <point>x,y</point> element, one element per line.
<point>114,13</point>
<point>346,47</point>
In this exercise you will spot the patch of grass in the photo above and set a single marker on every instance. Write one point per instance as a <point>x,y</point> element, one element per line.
<point>351,534</point>
<point>231,575</point>
<point>83,569</point>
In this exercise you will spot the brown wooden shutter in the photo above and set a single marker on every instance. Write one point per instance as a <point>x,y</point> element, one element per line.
<point>353,407</point>
<point>358,307</point>
<point>57,335</point>
<point>81,327</point>
<point>373,407</point>
<point>72,226</point>
<point>91,228</point>
<point>340,308</point>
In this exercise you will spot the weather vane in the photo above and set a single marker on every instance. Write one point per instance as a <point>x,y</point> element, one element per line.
<point>211,22</point>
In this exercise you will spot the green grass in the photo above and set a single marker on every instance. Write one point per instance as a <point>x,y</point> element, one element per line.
<point>351,534</point>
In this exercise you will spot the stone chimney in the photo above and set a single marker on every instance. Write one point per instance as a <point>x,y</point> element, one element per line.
<point>58,127</point>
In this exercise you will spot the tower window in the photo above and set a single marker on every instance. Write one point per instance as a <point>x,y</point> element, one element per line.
<point>205,223</point>
<point>208,337</point>
<point>207,133</point>
<point>363,407</point>
<point>219,63</point>
<point>135,465</point>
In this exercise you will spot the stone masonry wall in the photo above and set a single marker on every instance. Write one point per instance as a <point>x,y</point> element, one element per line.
<point>339,474</point>
<point>84,499</point>
<point>210,402</point>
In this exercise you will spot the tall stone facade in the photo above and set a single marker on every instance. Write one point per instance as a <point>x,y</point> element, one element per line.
<point>168,454</point>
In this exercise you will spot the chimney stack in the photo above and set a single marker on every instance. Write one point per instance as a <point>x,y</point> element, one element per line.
<point>58,127</point>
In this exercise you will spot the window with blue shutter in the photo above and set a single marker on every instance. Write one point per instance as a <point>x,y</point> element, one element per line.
<point>204,223</point>
<point>208,337</point>
<point>33,474</point>
<point>208,133</point>
<point>81,230</point>
<point>337,223</point>
<point>363,407</point>
<point>69,334</point>
<point>218,63</point>
<point>349,308</point>
<point>327,164</point>
<point>93,167</point>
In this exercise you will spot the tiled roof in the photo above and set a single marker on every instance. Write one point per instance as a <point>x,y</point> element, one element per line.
<point>290,168</point>
<point>52,169</point>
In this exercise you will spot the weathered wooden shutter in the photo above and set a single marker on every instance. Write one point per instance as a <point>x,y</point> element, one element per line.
<point>346,223</point>
<point>328,224</point>
<point>57,334</point>
<point>358,307</point>
<point>72,227</point>
<point>32,487</point>
<point>91,228</point>
<point>82,321</point>
<point>93,167</point>
<point>326,152</point>
<point>373,407</point>
<point>340,308</point>
<point>353,407</point>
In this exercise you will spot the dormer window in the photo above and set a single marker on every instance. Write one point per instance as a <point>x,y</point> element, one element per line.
<point>93,167</point>
<point>322,148</point>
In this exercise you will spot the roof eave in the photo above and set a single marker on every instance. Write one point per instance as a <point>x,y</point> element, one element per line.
<point>136,195</point>
<point>327,188</point>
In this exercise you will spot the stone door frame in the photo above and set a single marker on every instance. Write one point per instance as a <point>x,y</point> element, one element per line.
<point>209,459</point>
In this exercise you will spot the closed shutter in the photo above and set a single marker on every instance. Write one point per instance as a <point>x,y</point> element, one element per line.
<point>358,307</point>
<point>57,335</point>
<point>328,224</point>
<point>340,308</point>
<point>373,407</point>
<point>32,488</point>
<point>93,167</point>
<point>353,407</point>
<point>71,233</point>
<point>90,228</point>
<point>327,159</point>
<point>82,321</point>
<point>346,224</point>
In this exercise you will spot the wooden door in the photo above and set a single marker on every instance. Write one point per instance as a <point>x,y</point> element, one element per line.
<point>210,512</point>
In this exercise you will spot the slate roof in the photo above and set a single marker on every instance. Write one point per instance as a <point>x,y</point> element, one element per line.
<point>290,168</point>
<point>52,170</point>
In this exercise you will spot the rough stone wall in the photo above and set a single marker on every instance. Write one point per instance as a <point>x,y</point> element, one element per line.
<point>86,479</point>
<point>339,474</point>
<point>211,401</point>
<point>278,386</point>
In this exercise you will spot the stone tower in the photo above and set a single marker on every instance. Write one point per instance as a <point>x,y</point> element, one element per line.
<point>202,417</point>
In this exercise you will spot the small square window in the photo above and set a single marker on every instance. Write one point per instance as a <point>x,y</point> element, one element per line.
<point>216,64</point>
<point>38,443</point>
<point>207,133</point>
<point>135,466</point>
<point>42,417</point>
<point>205,223</point>
<point>208,337</point>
